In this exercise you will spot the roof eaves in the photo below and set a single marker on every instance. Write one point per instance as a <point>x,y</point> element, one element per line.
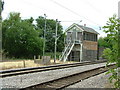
<point>74,24</point>
<point>88,29</point>
<point>69,27</point>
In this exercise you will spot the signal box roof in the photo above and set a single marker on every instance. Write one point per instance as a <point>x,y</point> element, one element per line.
<point>81,28</point>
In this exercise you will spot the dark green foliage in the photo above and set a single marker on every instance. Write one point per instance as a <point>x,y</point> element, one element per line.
<point>50,32</point>
<point>20,39</point>
<point>105,42</point>
<point>51,54</point>
<point>111,53</point>
<point>112,36</point>
<point>23,39</point>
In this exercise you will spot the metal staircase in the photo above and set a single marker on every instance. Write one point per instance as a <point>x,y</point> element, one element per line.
<point>67,51</point>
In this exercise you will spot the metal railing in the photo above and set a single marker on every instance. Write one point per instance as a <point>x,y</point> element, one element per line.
<point>66,51</point>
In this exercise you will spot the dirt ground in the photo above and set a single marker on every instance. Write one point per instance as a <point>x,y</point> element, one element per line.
<point>24,63</point>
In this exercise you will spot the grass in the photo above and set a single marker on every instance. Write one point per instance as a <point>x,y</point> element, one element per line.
<point>13,63</point>
<point>52,54</point>
<point>26,63</point>
<point>18,64</point>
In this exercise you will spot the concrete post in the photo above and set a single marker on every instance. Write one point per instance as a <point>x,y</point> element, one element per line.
<point>24,63</point>
<point>39,57</point>
<point>44,36</point>
<point>55,41</point>
<point>34,57</point>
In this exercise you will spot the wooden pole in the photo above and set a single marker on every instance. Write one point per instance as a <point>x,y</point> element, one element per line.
<point>44,37</point>
<point>24,63</point>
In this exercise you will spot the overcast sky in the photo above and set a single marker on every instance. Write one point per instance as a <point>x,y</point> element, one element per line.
<point>93,13</point>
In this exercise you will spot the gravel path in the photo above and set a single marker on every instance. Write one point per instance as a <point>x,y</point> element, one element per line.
<point>26,80</point>
<point>99,81</point>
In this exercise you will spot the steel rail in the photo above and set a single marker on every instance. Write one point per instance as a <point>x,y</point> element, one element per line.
<point>60,83</point>
<point>13,72</point>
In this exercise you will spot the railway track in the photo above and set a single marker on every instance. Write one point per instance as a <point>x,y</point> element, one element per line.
<point>13,72</point>
<point>66,81</point>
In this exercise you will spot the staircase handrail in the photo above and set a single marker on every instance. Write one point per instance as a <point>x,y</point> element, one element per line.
<point>63,53</point>
<point>69,51</point>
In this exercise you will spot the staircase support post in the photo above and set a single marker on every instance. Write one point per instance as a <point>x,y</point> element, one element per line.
<point>81,52</point>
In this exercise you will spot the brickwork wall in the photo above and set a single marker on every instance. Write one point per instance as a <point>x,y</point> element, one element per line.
<point>89,55</point>
<point>90,50</point>
<point>90,45</point>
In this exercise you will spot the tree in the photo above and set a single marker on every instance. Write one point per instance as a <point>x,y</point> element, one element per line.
<point>112,53</point>
<point>50,32</point>
<point>1,9</point>
<point>104,42</point>
<point>20,39</point>
<point>1,6</point>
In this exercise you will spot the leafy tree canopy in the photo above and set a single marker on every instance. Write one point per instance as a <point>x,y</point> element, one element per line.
<point>20,39</point>
<point>112,28</point>
<point>104,42</point>
<point>50,32</point>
